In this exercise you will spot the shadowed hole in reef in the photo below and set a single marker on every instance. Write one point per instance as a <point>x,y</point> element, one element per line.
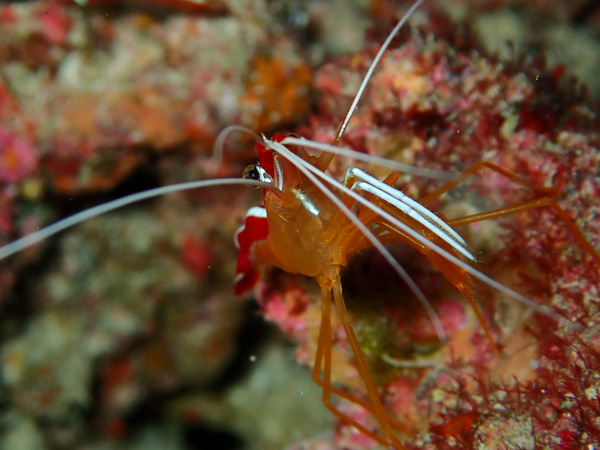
<point>199,437</point>
<point>387,317</point>
<point>252,336</point>
<point>368,276</point>
<point>251,339</point>
<point>142,179</point>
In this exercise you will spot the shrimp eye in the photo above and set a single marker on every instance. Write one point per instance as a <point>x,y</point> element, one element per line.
<point>251,173</point>
<point>255,172</point>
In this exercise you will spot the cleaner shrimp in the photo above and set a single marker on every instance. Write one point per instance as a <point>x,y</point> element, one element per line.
<point>457,271</point>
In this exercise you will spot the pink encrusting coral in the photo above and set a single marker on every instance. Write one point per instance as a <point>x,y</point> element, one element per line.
<point>437,102</point>
<point>17,157</point>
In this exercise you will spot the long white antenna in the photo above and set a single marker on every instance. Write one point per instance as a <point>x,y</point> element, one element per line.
<point>217,153</point>
<point>40,235</point>
<point>372,159</point>
<point>372,68</point>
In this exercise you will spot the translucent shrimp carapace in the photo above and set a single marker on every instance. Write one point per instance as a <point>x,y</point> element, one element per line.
<point>290,230</point>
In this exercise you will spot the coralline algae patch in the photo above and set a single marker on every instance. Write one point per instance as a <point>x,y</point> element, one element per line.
<point>437,102</point>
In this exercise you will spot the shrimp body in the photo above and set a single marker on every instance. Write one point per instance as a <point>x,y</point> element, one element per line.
<point>279,248</point>
<point>304,228</point>
<point>302,232</point>
<point>295,232</point>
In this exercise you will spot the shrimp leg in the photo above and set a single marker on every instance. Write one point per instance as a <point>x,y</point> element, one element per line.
<point>323,362</point>
<point>542,202</point>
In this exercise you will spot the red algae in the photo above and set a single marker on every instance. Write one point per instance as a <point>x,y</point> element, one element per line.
<point>205,8</point>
